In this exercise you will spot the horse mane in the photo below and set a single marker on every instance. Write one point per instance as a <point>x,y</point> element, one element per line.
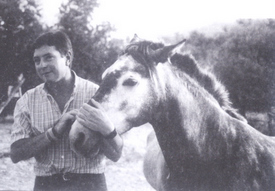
<point>187,63</point>
<point>140,51</point>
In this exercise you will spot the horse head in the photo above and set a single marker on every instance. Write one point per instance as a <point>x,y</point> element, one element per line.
<point>130,89</point>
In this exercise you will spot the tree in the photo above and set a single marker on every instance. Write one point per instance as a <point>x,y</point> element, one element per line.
<point>246,63</point>
<point>18,26</point>
<point>242,56</point>
<point>92,48</point>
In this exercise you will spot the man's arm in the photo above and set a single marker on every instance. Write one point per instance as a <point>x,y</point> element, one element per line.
<point>26,148</point>
<point>94,118</point>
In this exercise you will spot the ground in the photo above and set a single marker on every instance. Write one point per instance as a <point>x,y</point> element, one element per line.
<point>125,175</point>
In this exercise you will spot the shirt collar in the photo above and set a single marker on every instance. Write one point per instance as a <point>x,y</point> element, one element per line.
<point>76,84</point>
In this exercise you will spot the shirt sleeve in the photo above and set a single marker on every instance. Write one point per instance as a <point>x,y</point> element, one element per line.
<point>22,125</point>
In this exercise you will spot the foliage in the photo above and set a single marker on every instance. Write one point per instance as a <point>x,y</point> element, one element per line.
<point>243,58</point>
<point>92,48</point>
<point>18,26</point>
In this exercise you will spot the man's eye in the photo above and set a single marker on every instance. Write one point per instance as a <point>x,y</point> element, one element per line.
<point>36,61</point>
<point>129,82</point>
<point>48,58</point>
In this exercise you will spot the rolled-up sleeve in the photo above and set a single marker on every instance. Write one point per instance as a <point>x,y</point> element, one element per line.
<point>21,127</point>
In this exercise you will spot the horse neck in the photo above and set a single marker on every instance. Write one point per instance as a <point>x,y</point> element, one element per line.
<point>185,122</point>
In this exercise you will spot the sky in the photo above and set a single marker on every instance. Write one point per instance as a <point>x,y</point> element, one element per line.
<point>152,19</point>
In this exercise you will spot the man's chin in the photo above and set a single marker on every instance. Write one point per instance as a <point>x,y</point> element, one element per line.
<point>48,81</point>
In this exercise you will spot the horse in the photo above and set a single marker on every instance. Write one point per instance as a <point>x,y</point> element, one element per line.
<point>199,142</point>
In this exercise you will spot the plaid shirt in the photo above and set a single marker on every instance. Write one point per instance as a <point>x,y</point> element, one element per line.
<point>36,111</point>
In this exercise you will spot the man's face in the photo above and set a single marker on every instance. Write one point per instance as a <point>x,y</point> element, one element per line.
<point>50,65</point>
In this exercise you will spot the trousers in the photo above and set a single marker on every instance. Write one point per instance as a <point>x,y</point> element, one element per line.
<point>71,182</point>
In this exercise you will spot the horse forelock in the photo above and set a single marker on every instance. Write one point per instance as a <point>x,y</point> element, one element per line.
<point>142,52</point>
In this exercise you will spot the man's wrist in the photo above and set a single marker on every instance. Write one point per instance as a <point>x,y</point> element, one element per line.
<point>56,134</point>
<point>111,135</point>
<point>51,135</point>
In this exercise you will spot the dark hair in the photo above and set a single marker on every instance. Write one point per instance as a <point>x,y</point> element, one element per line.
<point>59,39</point>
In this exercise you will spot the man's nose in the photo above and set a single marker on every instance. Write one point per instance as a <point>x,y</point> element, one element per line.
<point>43,64</point>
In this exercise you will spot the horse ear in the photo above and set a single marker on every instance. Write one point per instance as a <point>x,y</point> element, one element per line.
<point>161,55</point>
<point>177,47</point>
<point>135,39</point>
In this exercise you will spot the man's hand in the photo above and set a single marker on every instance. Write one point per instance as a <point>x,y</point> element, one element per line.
<point>95,118</point>
<point>65,122</point>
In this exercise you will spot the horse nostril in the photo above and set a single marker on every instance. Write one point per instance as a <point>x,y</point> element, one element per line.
<point>79,140</point>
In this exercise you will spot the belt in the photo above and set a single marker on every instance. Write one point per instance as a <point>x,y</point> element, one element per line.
<point>69,176</point>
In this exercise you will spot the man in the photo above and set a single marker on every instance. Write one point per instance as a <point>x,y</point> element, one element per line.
<point>271,121</point>
<point>44,114</point>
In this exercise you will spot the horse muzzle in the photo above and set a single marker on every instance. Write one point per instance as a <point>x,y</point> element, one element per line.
<point>83,141</point>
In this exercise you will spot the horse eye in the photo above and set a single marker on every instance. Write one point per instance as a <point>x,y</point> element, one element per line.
<point>129,82</point>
